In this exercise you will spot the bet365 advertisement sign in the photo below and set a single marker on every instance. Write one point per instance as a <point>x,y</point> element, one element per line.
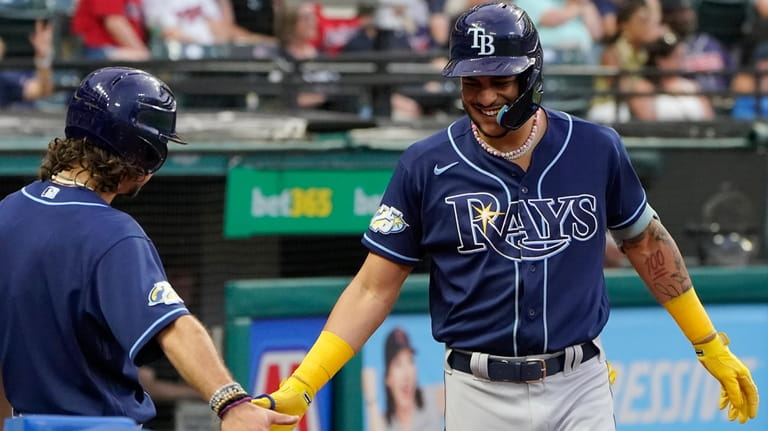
<point>301,201</point>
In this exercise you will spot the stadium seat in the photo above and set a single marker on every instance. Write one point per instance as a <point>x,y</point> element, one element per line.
<point>69,423</point>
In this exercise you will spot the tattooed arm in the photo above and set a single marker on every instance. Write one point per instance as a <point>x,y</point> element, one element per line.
<point>656,258</point>
<point>658,261</point>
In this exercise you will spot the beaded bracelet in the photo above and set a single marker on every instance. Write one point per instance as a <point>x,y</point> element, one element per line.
<point>225,395</point>
<point>231,404</point>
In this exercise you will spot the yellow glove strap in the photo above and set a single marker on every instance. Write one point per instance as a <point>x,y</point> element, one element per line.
<point>326,357</point>
<point>690,316</point>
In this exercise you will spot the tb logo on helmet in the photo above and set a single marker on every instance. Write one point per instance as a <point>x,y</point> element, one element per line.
<point>482,41</point>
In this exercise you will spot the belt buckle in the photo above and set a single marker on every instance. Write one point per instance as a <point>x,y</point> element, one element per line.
<point>543,370</point>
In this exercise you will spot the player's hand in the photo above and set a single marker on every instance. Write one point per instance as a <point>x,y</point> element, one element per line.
<point>249,417</point>
<point>293,398</point>
<point>612,373</point>
<point>738,390</point>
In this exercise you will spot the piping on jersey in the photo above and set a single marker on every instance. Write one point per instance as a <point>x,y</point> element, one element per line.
<point>509,199</point>
<point>40,201</point>
<point>139,342</point>
<point>642,206</point>
<point>393,253</point>
<point>546,261</point>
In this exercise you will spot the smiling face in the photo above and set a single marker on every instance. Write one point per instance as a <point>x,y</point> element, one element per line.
<point>484,96</point>
<point>401,378</point>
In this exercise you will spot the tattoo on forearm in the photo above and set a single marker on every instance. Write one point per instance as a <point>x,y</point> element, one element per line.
<point>655,265</point>
<point>662,267</point>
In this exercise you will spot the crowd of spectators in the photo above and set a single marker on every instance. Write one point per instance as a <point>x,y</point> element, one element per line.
<point>715,74</point>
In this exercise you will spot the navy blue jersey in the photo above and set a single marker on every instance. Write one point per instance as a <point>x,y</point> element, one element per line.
<point>84,293</point>
<point>517,257</point>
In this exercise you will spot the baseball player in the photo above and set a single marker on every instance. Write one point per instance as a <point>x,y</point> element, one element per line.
<point>511,202</point>
<point>85,296</point>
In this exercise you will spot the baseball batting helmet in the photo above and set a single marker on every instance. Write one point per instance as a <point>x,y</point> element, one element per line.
<point>125,111</point>
<point>499,39</point>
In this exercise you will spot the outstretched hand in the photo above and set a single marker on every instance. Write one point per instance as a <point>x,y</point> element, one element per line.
<point>293,398</point>
<point>42,39</point>
<point>249,417</point>
<point>738,391</point>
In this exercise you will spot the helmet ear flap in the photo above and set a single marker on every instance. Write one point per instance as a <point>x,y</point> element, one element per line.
<point>527,103</point>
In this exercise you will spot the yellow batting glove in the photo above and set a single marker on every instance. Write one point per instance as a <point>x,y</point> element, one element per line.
<point>738,390</point>
<point>293,397</point>
<point>612,373</point>
<point>326,357</point>
<point>737,387</point>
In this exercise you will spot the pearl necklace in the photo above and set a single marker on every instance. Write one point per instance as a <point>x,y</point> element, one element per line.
<point>64,181</point>
<point>516,153</point>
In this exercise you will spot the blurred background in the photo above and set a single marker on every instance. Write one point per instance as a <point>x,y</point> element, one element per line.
<point>297,111</point>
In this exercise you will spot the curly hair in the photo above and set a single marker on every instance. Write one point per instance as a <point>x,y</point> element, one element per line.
<point>105,169</point>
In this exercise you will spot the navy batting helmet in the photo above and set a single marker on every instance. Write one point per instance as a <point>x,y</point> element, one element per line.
<point>125,111</point>
<point>499,39</point>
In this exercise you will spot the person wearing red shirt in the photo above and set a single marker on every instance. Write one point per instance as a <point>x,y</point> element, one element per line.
<point>111,29</point>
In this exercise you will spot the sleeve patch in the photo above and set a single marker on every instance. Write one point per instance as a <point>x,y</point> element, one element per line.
<point>162,293</point>
<point>388,220</point>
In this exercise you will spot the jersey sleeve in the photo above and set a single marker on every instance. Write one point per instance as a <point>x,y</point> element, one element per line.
<point>628,211</point>
<point>134,297</point>
<point>395,229</point>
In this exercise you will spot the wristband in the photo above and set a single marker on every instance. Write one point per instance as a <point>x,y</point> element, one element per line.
<point>225,395</point>
<point>326,357</point>
<point>690,316</point>
<point>43,62</point>
<point>232,403</point>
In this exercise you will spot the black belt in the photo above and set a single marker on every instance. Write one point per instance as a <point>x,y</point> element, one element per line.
<point>519,371</point>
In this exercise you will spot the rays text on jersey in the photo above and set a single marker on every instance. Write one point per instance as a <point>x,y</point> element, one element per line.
<point>527,229</point>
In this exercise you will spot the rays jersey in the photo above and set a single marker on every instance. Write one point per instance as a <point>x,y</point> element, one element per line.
<point>84,294</point>
<point>517,256</point>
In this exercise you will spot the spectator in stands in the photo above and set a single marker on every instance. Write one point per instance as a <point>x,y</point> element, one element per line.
<point>376,34</point>
<point>756,33</point>
<point>25,86</point>
<point>111,29</point>
<point>627,55</point>
<point>240,33</point>
<point>607,10</point>
<point>256,17</point>
<point>439,23</point>
<point>670,96</point>
<point>751,89</point>
<point>198,22</point>
<point>569,29</point>
<point>297,31</point>
<point>704,55</point>
<point>191,28</point>
<point>404,19</point>
<point>371,37</point>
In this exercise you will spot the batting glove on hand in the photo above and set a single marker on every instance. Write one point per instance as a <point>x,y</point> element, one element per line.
<point>737,387</point>
<point>293,397</point>
<point>612,373</point>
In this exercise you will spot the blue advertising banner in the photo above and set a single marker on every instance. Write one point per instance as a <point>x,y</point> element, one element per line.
<point>277,347</point>
<point>661,386</point>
